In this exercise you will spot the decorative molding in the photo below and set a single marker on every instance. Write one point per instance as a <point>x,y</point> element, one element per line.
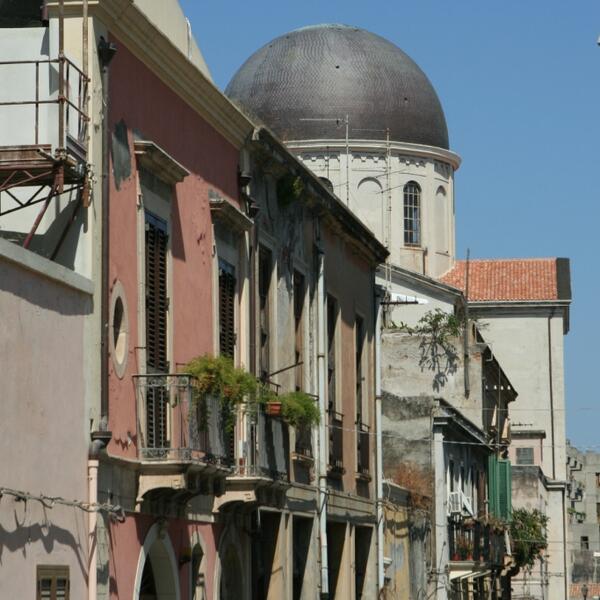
<point>358,146</point>
<point>224,211</point>
<point>152,157</point>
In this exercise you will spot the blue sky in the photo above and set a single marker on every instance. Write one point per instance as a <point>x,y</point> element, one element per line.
<point>520,85</point>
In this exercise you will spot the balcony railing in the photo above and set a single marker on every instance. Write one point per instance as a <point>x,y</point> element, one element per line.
<point>336,442</point>
<point>473,540</point>
<point>362,449</point>
<point>303,446</point>
<point>33,91</point>
<point>175,423</point>
<point>268,447</point>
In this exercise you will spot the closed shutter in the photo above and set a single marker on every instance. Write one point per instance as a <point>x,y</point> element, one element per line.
<point>157,305</point>
<point>500,488</point>
<point>226,309</point>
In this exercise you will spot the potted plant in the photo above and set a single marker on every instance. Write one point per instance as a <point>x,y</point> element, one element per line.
<point>216,376</point>
<point>299,409</point>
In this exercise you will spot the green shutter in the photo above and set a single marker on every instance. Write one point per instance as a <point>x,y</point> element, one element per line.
<point>499,488</point>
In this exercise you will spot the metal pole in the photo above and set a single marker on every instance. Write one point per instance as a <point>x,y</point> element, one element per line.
<point>466,329</point>
<point>347,121</point>
<point>61,74</point>
<point>322,437</point>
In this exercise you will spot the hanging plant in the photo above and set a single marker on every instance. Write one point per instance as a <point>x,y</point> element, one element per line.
<point>528,535</point>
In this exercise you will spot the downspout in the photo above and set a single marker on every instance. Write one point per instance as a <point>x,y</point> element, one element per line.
<point>322,437</point>
<point>106,52</point>
<point>551,390</point>
<point>379,444</point>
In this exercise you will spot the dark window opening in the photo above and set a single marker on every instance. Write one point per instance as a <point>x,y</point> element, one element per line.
<point>331,352</point>
<point>22,13</point>
<point>359,375</point>
<point>227,284</point>
<point>525,456</point>
<point>585,542</point>
<point>299,291</point>
<point>264,286</point>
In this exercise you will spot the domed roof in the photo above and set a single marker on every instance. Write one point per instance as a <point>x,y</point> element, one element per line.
<point>330,71</point>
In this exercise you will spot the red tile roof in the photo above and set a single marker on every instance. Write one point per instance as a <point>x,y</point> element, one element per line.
<point>509,279</point>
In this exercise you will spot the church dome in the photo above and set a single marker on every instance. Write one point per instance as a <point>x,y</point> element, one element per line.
<point>329,71</point>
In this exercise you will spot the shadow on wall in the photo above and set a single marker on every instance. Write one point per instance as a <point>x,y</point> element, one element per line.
<point>27,533</point>
<point>42,292</point>
<point>441,359</point>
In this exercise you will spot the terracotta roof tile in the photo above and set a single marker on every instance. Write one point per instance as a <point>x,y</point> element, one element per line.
<point>508,279</point>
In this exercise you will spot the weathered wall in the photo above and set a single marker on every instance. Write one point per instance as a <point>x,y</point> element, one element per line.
<point>44,309</point>
<point>174,126</point>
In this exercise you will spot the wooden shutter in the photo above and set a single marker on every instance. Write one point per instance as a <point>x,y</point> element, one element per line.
<point>500,488</point>
<point>52,583</point>
<point>157,303</point>
<point>264,289</point>
<point>299,329</point>
<point>227,283</point>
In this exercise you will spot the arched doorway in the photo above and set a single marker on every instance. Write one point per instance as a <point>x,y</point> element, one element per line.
<point>157,577</point>
<point>231,580</point>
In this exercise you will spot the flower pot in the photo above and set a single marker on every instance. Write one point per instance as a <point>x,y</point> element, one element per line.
<point>273,409</point>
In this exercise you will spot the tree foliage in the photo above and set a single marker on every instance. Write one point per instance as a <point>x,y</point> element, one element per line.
<point>528,535</point>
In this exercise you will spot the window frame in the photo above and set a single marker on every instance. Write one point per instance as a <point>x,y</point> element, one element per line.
<point>412,214</point>
<point>268,311</point>
<point>53,573</point>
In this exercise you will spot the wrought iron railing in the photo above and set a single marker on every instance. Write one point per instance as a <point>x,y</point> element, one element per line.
<point>303,445</point>
<point>336,442</point>
<point>268,447</point>
<point>177,423</point>
<point>362,448</point>
<point>474,540</point>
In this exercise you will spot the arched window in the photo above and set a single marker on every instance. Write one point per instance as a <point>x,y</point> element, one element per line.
<point>327,183</point>
<point>412,214</point>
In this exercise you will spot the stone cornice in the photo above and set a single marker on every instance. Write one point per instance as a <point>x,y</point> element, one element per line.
<point>149,44</point>
<point>430,152</point>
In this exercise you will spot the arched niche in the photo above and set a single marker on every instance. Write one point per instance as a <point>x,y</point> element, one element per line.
<point>442,226</point>
<point>370,205</point>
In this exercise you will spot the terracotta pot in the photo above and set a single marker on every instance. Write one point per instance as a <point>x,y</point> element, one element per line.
<point>273,409</point>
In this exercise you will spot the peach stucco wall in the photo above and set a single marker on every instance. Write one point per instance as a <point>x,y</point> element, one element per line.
<point>352,286</point>
<point>146,106</point>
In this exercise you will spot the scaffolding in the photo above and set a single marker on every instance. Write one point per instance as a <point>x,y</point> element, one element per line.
<point>48,166</point>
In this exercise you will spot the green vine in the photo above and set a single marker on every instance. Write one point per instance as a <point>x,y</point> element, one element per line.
<point>437,331</point>
<point>528,535</point>
<point>289,189</point>
<point>299,409</point>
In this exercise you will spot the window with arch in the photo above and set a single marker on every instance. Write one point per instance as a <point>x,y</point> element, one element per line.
<point>412,214</point>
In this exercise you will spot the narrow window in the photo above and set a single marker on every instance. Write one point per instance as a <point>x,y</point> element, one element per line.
<point>264,309</point>
<point>359,375</point>
<point>157,305</point>
<point>52,583</point>
<point>299,292</point>
<point>227,283</point>
<point>451,475</point>
<point>597,479</point>
<point>412,214</point>
<point>585,542</point>
<point>525,456</point>
<point>331,352</point>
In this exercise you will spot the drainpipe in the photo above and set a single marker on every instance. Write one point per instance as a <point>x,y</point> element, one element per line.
<point>322,437</point>
<point>100,440</point>
<point>378,438</point>
<point>106,52</point>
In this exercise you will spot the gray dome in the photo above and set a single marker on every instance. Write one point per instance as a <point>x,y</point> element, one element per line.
<point>328,71</point>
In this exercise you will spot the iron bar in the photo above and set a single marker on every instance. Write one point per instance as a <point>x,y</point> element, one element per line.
<point>61,74</point>
<point>31,202</point>
<point>41,214</point>
<point>37,102</point>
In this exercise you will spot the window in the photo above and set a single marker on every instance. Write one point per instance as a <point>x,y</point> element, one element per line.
<point>157,400</point>
<point>299,289</point>
<point>227,283</point>
<point>597,479</point>
<point>264,308</point>
<point>358,347</point>
<point>585,542</point>
<point>525,456</point>
<point>52,583</point>
<point>331,352</point>
<point>451,475</point>
<point>412,214</point>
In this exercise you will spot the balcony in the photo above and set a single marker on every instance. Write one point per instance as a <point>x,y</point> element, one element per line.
<point>336,444</point>
<point>268,447</point>
<point>471,540</point>
<point>363,450</point>
<point>176,425</point>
